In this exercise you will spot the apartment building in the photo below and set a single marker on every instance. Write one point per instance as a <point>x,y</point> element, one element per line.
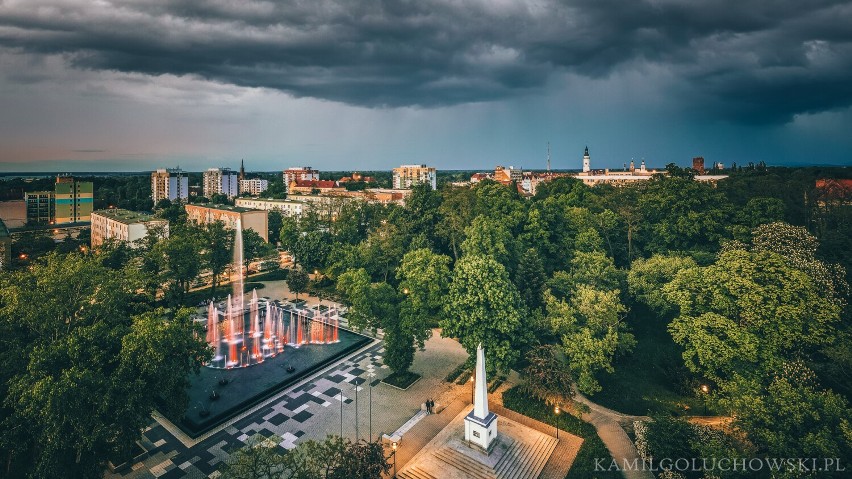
<point>286,207</point>
<point>39,206</point>
<point>256,220</point>
<point>221,181</point>
<point>73,200</point>
<point>254,186</point>
<point>169,184</point>
<point>407,176</point>
<point>124,225</point>
<point>300,173</point>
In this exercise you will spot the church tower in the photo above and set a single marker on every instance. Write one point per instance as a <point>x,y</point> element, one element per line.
<point>242,169</point>
<point>587,161</point>
<point>480,425</point>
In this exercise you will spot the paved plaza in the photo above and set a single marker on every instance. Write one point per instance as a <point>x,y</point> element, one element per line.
<point>309,410</point>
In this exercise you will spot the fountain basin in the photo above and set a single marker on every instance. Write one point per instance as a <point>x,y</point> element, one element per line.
<point>246,387</point>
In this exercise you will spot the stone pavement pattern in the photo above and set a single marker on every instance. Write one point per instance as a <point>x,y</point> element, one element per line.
<point>311,410</point>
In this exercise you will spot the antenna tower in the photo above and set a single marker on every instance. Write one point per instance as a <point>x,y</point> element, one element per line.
<point>548,157</point>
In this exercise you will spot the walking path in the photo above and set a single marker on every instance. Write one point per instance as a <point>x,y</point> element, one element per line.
<point>608,424</point>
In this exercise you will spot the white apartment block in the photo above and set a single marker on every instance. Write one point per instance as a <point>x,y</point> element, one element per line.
<point>123,225</point>
<point>407,176</point>
<point>254,186</point>
<point>299,173</point>
<point>223,181</point>
<point>286,207</point>
<point>169,184</point>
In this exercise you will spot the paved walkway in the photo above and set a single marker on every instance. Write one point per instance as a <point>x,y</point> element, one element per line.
<point>608,424</point>
<point>458,398</point>
<point>309,410</point>
<point>424,431</point>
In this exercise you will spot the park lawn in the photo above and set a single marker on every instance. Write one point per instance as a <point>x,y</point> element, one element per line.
<point>652,378</point>
<point>592,448</point>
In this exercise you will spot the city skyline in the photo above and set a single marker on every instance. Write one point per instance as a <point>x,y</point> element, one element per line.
<point>94,86</point>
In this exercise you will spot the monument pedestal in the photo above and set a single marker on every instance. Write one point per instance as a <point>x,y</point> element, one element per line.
<point>481,433</point>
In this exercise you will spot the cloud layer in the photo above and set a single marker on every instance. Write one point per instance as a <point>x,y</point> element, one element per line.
<point>745,61</point>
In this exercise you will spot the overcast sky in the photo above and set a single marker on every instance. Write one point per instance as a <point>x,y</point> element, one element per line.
<point>356,85</point>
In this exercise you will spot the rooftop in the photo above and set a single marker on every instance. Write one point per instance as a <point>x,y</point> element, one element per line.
<point>270,200</point>
<point>126,216</point>
<point>235,209</point>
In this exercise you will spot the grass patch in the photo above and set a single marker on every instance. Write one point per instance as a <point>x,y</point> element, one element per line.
<point>652,379</point>
<point>401,380</point>
<point>496,384</point>
<point>464,377</point>
<point>195,298</point>
<point>593,448</point>
<point>274,275</point>
<point>455,373</point>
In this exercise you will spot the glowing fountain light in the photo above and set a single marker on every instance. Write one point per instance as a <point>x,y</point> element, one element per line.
<point>243,337</point>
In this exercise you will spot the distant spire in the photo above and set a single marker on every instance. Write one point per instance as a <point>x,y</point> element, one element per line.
<point>242,169</point>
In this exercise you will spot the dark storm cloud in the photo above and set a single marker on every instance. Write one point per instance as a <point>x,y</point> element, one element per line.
<point>752,61</point>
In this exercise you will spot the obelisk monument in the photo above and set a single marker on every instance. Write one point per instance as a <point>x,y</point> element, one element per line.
<point>480,425</point>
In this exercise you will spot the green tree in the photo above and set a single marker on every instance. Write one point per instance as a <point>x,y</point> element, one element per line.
<point>220,199</point>
<point>297,281</point>
<point>79,363</point>
<point>311,249</point>
<point>423,277</point>
<point>456,213</point>
<point>530,279</point>
<point>483,306</point>
<point>500,204</point>
<point>333,458</point>
<point>260,458</point>
<point>646,279</point>
<point>747,314</point>
<point>594,269</point>
<point>254,246</point>
<point>420,214</point>
<point>384,248</point>
<point>793,417</point>
<point>593,332</point>
<point>355,286</point>
<point>274,222</point>
<point>485,237</point>
<point>217,250</point>
<point>288,233</point>
<point>177,257</point>
<point>683,214</point>
<point>547,376</point>
<point>377,305</point>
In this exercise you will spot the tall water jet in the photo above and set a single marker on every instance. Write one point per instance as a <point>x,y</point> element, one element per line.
<point>251,335</point>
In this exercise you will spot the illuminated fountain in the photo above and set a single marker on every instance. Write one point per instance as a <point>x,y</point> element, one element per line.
<point>242,337</point>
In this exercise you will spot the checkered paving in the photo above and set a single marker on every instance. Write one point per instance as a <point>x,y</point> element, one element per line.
<point>289,417</point>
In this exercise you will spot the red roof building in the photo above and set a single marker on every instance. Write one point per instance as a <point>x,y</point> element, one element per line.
<point>310,186</point>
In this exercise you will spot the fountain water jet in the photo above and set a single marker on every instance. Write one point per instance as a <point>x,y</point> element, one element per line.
<point>247,336</point>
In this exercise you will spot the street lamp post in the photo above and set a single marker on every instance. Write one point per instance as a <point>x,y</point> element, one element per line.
<point>341,413</point>
<point>472,385</point>
<point>357,436</point>
<point>705,389</point>
<point>394,446</point>
<point>370,375</point>
<point>556,410</point>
